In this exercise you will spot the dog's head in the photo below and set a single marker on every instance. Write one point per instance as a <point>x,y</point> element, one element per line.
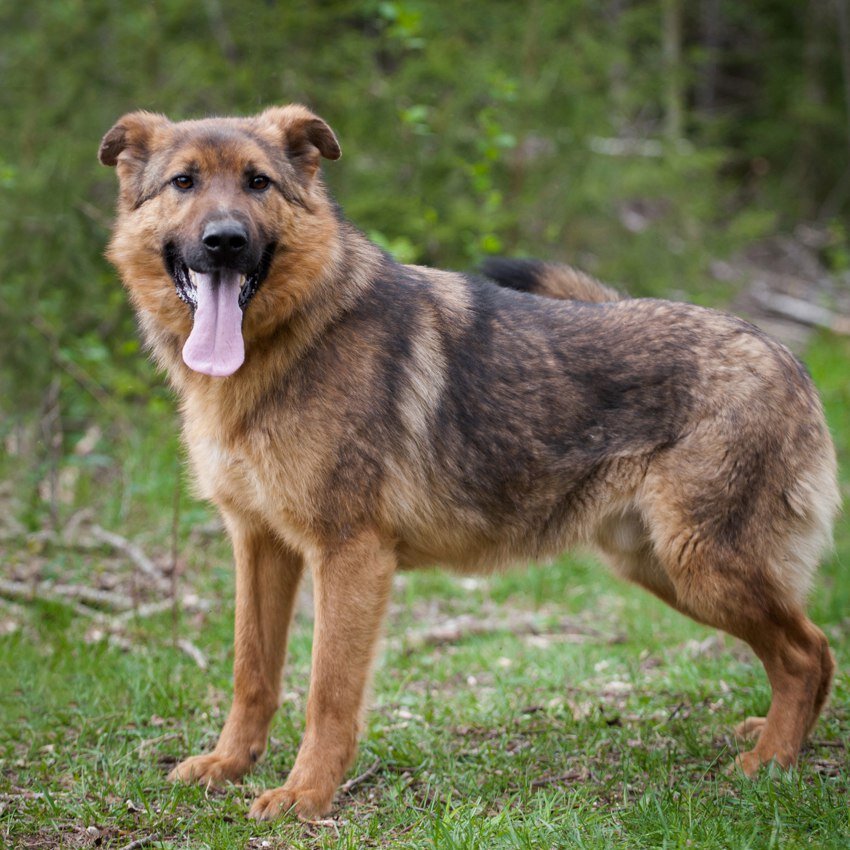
<point>208,209</point>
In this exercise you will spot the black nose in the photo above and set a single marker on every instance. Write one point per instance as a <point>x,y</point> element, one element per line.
<point>225,241</point>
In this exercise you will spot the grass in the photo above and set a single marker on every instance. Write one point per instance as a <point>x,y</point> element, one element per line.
<point>609,727</point>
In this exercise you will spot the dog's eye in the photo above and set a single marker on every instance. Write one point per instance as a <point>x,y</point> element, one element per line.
<point>183,182</point>
<point>259,183</point>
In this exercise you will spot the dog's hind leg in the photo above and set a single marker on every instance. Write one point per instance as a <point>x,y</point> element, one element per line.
<point>794,652</point>
<point>267,578</point>
<point>799,667</point>
<point>746,584</point>
<point>751,728</point>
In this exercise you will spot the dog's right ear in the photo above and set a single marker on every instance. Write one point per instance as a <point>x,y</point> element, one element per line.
<point>129,140</point>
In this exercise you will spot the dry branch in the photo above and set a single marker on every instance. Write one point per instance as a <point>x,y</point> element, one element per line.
<point>72,537</point>
<point>348,787</point>
<point>570,776</point>
<point>30,795</point>
<point>145,745</point>
<point>44,592</point>
<point>140,842</point>
<point>149,609</point>
<point>50,591</point>
<point>800,311</point>
<point>81,598</point>
<point>193,652</point>
<point>457,629</point>
<point>838,745</point>
<point>128,548</point>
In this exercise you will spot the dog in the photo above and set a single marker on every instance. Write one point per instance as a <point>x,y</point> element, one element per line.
<point>359,416</point>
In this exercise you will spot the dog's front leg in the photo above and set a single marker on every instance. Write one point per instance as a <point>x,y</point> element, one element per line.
<point>267,576</point>
<point>352,586</point>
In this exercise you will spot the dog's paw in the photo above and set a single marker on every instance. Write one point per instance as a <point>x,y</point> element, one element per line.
<point>307,803</point>
<point>748,763</point>
<point>210,769</point>
<point>751,762</point>
<point>750,729</point>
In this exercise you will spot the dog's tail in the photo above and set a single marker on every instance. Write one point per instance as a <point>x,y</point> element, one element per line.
<point>552,280</point>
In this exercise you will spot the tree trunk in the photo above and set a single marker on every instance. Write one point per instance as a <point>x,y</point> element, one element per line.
<point>672,51</point>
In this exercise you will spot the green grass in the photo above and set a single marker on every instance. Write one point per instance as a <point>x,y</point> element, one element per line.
<point>614,732</point>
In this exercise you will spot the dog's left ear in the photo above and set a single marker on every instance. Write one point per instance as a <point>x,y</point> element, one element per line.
<point>305,136</point>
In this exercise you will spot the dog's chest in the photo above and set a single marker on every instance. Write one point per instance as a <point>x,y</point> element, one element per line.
<point>258,473</point>
<point>221,473</point>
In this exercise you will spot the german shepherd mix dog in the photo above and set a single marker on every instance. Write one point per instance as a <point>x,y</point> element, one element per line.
<point>359,416</point>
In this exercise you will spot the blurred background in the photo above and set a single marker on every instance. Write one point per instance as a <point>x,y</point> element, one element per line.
<point>690,150</point>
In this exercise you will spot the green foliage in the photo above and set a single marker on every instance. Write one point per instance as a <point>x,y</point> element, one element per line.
<point>520,128</point>
<point>512,127</point>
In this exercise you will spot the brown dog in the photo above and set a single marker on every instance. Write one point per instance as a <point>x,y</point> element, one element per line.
<point>357,415</point>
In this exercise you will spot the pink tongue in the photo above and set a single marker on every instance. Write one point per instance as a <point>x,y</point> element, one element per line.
<point>215,345</point>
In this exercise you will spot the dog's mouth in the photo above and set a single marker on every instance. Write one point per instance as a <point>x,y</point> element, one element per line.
<point>186,283</point>
<point>217,299</point>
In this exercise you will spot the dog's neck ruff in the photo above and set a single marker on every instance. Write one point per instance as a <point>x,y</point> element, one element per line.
<point>215,345</point>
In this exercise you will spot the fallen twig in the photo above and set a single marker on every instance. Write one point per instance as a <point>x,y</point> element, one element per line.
<point>193,652</point>
<point>351,784</point>
<point>128,548</point>
<point>799,310</point>
<point>31,795</point>
<point>140,842</point>
<point>148,609</point>
<point>81,598</point>
<point>70,539</point>
<point>570,776</point>
<point>142,748</point>
<point>326,823</point>
<point>675,711</point>
<point>43,592</point>
<point>465,626</point>
<point>90,596</point>
<point>838,745</point>
<point>52,592</point>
